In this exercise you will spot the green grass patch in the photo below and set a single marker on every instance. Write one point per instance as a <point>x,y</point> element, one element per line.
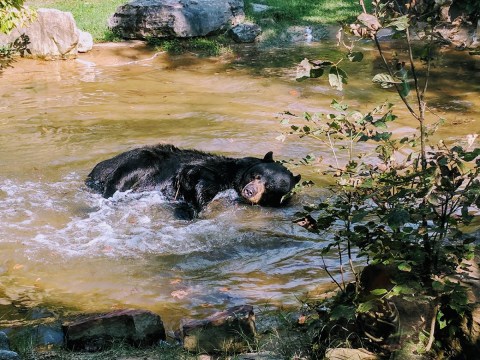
<point>89,15</point>
<point>92,15</point>
<point>304,12</point>
<point>200,46</point>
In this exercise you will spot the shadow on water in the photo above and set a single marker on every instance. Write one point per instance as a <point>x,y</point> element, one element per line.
<point>61,244</point>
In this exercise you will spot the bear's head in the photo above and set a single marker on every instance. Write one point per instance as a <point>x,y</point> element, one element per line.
<point>267,182</point>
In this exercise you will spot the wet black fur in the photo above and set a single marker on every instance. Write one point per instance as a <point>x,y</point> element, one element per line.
<point>189,176</point>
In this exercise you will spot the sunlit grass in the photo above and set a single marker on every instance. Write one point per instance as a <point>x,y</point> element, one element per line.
<point>307,11</point>
<point>89,15</point>
<point>92,15</point>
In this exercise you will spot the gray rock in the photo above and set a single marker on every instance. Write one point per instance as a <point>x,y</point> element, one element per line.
<point>85,41</point>
<point>51,334</point>
<point>8,355</point>
<point>140,19</point>
<point>258,8</point>
<point>4,343</point>
<point>136,327</point>
<point>226,331</point>
<point>245,33</point>
<point>53,34</point>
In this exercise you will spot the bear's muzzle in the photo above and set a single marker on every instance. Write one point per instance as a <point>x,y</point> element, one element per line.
<point>253,191</point>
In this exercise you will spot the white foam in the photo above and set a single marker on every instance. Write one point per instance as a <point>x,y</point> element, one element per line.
<point>59,217</point>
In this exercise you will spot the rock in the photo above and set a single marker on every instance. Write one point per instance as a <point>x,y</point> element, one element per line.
<point>4,343</point>
<point>52,35</point>
<point>140,19</point>
<point>5,353</point>
<point>136,327</point>
<point>258,8</point>
<point>85,41</point>
<point>227,331</point>
<point>245,33</point>
<point>352,354</point>
<point>461,35</point>
<point>8,355</point>
<point>51,334</point>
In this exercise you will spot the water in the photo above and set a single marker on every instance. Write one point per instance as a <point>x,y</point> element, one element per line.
<point>63,246</point>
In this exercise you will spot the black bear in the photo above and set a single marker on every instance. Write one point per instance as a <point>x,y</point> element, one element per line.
<point>192,176</point>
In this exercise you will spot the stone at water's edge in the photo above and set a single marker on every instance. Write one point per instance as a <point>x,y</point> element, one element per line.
<point>227,331</point>
<point>53,34</point>
<point>85,41</point>
<point>136,327</point>
<point>140,19</point>
<point>245,33</point>
<point>5,353</point>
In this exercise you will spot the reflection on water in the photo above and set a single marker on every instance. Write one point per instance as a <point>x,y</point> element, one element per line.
<point>61,244</point>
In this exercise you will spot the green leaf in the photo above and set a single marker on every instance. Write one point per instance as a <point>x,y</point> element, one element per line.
<point>438,286</point>
<point>338,106</point>
<point>385,80</point>
<point>470,155</point>
<point>359,216</point>
<point>378,292</point>
<point>404,89</point>
<point>401,23</point>
<point>397,217</point>
<point>307,70</point>
<point>442,322</point>
<point>337,77</point>
<point>343,312</point>
<point>366,306</point>
<point>404,266</point>
<point>355,56</point>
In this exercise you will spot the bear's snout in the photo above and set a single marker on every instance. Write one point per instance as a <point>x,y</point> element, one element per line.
<point>253,191</point>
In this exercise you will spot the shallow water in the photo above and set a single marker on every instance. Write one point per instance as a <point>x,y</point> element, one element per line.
<point>61,244</point>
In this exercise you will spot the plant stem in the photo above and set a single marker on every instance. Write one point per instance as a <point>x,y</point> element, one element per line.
<point>330,274</point>
<point>432,329</point>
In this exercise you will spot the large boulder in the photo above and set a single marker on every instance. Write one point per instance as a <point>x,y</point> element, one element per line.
<point>136,327</point>
<point>52,35</point>
<point>140,19</point>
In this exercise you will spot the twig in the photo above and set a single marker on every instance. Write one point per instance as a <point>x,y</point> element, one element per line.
<point>432,329</point>
<point>330,274</point>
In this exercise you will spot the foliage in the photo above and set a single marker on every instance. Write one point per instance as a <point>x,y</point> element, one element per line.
<point>8,52</point>
<point>201,46</point>
<point>12,14</point>
<point>399,201</point>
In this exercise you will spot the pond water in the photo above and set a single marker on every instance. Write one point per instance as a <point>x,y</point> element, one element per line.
<point>62,246</point>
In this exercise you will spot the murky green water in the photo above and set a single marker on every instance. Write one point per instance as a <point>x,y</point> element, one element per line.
<point>62,245</point>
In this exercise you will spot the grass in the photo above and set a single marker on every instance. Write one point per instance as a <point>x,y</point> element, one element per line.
<point>91,15</point>
<point>305,12</point>
<point>201,46</point>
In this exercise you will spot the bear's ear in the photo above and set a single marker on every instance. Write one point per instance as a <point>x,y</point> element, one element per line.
<point>297,178</point>
<point>268,157</point>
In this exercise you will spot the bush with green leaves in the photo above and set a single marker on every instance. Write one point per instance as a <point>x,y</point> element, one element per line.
<point>401,202</point>
<point>12,14</point>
